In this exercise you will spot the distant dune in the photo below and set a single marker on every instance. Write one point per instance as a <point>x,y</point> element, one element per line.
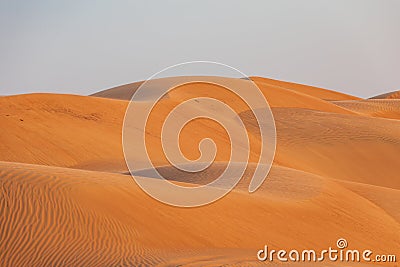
<point>278,96</point>
<point>122,92</point>
<point>67,198</point>
<point>390,95</point>
<point>321,93</point>
<point>126,91</point>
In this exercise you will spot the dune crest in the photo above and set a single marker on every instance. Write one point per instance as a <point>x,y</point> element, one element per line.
<point>390,95</point>
<point>321,93</point>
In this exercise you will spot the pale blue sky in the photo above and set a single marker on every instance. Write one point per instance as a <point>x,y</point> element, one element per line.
<point>85,46</point>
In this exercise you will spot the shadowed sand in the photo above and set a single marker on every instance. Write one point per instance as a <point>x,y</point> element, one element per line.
<point>66,198</point>
<point>390,95</point>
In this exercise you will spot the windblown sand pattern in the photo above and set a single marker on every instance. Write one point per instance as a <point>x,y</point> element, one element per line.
<point>385,108</point>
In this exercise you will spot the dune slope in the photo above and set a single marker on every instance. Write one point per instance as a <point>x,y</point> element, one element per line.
<point>59,216</point>
<point>306,89</point>
<point>62,130</point>
<point>385,108</point>
<point>339,146</point>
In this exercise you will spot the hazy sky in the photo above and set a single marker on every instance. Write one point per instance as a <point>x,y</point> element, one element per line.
<point>85,46</point>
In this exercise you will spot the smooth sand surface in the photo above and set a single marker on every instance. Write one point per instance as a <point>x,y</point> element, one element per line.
<point>67,198</point>
<point>62,130</point>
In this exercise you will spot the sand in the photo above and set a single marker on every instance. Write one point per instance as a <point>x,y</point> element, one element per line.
<point>385,108</point>
<point>390,95</point>
<point>74,217</point>
<point>62,130</point>
<point>67,198</point>
<point>321,93</point>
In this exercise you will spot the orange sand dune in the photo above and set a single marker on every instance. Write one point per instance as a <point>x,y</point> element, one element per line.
<point>386,198</point>
<point>277,96</point>
<point>306,89</point>
<point>61,130</point>
<point>347,147</point>
<point>59,216</point>
<point>335,175</point>
<point>385,108</point>
<point>390,95</point>
<point>91,139</point>
<point>85,132</point>
<point>282,97</point>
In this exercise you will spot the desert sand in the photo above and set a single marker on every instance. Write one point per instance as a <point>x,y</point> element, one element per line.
<point>67,197</point>
<point>390,95</point>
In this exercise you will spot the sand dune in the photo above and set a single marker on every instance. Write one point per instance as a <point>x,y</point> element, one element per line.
<point>321,93</point>
<point>82,132</point>
<point>67,200</point>
<point>339,146</point>
<point>390,95</point>
<point>277,96</point>
<point>60,216</point>
<point>61,130</point>
<point>385,108</point>
<point>122,92</point>
<point>386,198</point>
<point>280,97</point>
<point>90,135</point>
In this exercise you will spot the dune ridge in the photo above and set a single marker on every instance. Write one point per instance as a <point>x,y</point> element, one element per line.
<point>321,93</point>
